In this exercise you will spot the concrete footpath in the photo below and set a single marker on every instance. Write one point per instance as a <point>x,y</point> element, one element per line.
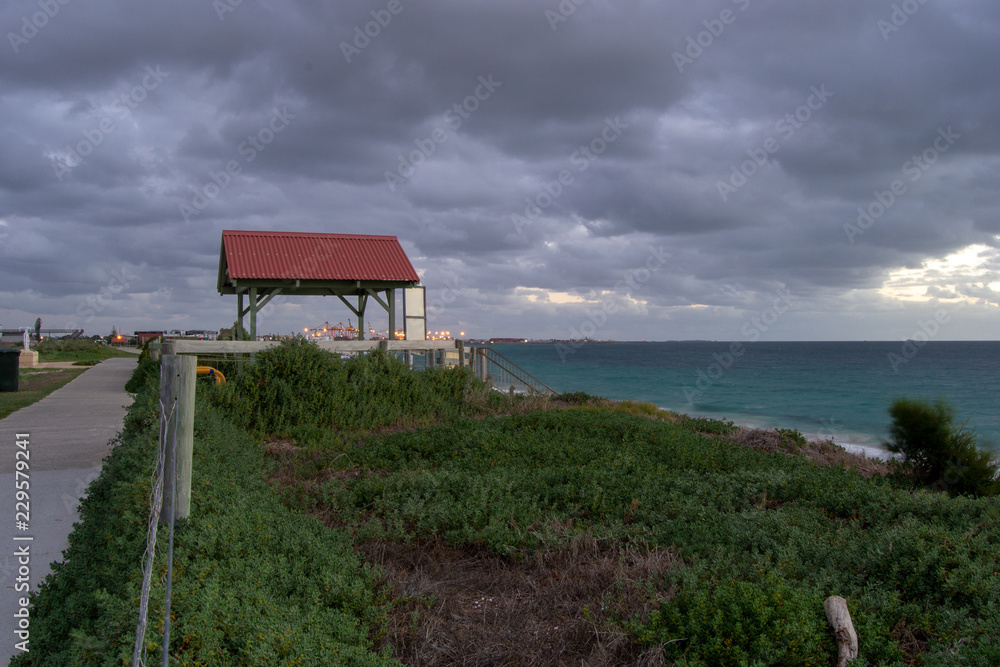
<point>68,434</point>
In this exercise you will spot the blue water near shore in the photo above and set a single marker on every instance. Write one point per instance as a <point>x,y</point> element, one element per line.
<point>838,390</point>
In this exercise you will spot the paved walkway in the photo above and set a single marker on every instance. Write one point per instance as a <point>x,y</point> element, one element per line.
<point>68,433</point>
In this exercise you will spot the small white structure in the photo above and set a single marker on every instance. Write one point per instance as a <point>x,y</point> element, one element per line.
<point>29,357</point>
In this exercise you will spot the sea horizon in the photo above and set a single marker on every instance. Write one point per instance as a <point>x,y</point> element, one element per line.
<point>837,390</point>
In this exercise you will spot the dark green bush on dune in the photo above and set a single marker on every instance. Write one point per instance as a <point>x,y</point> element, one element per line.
<point>298,384</point>
<point>941,455</point>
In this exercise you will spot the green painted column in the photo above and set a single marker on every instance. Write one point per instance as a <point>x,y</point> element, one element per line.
<point>390,295</point>
<point>239,316</point>
<point>362,302</point>
<point>253,313</point>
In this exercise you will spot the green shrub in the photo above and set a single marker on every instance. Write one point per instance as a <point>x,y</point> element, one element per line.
<point>578,397</point>
<point>146,372</point>
<point>297,384</point>
<point>709,425</point>
<point>792,437</point>
<point>940,455</point>
<point>764,621</point>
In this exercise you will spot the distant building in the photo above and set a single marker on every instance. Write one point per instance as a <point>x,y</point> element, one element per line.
<point>198,334</point>
<point>142,336</point>
<point>201,334</point>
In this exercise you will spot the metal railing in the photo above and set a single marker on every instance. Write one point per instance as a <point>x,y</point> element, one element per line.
<point>493,368</point>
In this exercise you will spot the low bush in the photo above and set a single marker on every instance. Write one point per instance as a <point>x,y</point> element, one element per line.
<point>940,455</point>
<point>146,372</point>
<point>297,384</point>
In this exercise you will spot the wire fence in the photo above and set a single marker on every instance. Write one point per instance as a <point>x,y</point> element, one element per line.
<point>155,502</point>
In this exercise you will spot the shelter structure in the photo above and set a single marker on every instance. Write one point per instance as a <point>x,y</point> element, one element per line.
<point>258,266</point>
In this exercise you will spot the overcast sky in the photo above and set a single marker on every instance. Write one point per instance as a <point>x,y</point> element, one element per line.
<point>729,170</point>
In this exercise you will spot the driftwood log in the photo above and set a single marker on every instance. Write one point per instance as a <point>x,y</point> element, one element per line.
<point>839,619</point>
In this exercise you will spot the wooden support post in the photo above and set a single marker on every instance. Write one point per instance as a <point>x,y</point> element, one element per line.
<point>461,352</point>
<point>483,374</point>
<point>177,387</point>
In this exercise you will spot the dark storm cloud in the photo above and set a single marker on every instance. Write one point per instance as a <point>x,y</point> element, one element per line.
<point>764,145</point>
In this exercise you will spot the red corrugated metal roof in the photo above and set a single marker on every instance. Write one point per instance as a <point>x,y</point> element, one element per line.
<point>306,256</point>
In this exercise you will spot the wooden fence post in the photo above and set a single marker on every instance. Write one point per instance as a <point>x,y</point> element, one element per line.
<point>177,388</point>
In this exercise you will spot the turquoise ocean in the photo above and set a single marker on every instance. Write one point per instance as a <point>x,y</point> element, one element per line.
<point>837,390</point>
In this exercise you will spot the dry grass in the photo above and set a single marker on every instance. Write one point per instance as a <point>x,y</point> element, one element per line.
<point>913,642</point>
<point>822,452</point>
<point>762,440</point>
<point>827,453</point>
<point>462,607</point>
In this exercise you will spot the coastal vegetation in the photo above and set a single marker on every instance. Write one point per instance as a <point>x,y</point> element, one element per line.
<point>939,454</point>
<point>354,511</point>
